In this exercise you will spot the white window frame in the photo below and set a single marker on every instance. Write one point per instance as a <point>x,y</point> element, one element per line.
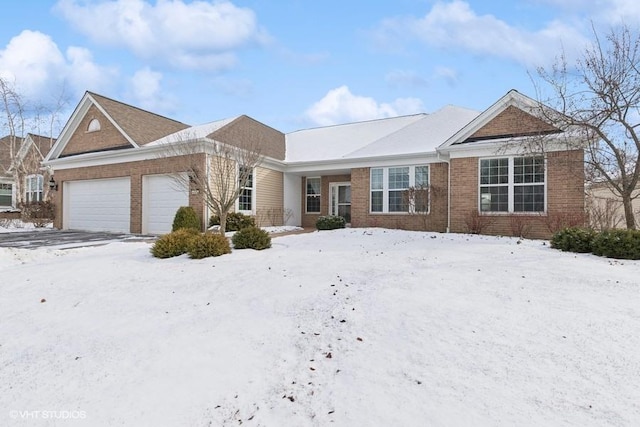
<point>28,191</point>
<point>307,195</point>
<point>94,125</point>
<point>511,185</point>
<point>385,188</point>
<point>253,193</point>
<point>10,193</point>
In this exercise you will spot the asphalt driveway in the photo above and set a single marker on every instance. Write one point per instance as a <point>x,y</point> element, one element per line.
<point>63,239</point>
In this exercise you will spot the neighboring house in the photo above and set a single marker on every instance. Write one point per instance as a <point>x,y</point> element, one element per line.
<point>22,178</point>
<point>605,209</point>
<point>112,175</point>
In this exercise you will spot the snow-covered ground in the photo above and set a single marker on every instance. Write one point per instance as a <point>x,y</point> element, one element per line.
<point>354,327</point>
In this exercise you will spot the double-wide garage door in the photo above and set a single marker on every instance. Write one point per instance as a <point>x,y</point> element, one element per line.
<point>98,205</point>
<point>105,204</point>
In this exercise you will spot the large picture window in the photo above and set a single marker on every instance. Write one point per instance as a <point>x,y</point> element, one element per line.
<point>390,189</point>
<point>33,188</point>
<point>512,184</point>
<point>313,195</point>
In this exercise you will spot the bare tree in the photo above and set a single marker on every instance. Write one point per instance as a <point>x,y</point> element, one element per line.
<point>219,172</point>
<point>13,123</point>
<point>598,99</point>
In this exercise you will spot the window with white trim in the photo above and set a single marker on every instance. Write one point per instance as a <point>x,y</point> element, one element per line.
<point>245,200</point>
<point>6,191</point>
<point>34,185</point>
<point>313,195</point>
<point>389,188</point>
<point>512,184</point>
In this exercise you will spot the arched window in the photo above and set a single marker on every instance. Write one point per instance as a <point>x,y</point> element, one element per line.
<point>94,125</point>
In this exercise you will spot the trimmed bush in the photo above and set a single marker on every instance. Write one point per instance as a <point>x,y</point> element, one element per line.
<point>207,245</point>
<point>573,239</point>
<point>330,222</point>
<point>251,238</point>
<point>186,217</point>
<point>235,221</point>
<point>620,244</point>
<point>173,244</point>
<point>40,214</point>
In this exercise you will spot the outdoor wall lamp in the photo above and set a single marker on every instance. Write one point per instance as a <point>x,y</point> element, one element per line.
<point>53,185</point>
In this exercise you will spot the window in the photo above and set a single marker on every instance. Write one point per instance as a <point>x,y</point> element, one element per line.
<point>512,184</point>
<point>94,125</point>
<point>5,194</point>
<point>313,195</point>
<point>245,201</point>
<point>33,188</point>
<point>390,189</point>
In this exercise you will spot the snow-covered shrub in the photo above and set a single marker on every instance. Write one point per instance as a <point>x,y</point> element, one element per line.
<point>207,245</point>
<point>186,217</point>
<point>330,222</point>
<point>235,221</point>
<point>573,239</point>
<point>174,244</point>
<point>251,238</point>
<point>620,244</point>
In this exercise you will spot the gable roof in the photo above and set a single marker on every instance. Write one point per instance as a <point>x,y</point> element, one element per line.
<point>5,155</point>
<point>41,144</point>
<point>138,126</point>
<point>513,98</point>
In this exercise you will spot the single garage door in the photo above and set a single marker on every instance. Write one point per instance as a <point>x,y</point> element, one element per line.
<point>98,205</point>
<point>162,195</point>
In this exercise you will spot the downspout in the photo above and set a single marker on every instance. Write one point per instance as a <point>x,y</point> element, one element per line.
<point>446,160</point>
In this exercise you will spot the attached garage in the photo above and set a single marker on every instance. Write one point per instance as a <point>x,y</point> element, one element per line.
<point>98,205</point>
<point>162,195</point>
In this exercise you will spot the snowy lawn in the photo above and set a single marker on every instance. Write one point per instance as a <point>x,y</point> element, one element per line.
<point>355,327</point>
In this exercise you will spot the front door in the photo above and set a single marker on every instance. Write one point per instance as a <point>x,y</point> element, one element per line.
<point>341,200</point>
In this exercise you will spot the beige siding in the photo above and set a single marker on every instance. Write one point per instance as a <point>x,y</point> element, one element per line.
<point>269,197</point>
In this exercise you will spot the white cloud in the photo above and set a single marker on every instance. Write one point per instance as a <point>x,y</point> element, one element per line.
<point>447,74</point>
<point>37,66</point>
<point>339,105</point>
<point>455,25</point>
<point>195,35</point>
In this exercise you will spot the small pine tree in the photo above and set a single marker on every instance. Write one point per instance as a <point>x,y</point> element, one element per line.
<point>186,217</point>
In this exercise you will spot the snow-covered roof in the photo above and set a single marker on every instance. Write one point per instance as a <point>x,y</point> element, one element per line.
<point>193,132</point>
<point>336,142</point>
<point>420,133</point>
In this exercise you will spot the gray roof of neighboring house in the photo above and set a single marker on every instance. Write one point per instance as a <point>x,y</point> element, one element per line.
<point>142,126</point>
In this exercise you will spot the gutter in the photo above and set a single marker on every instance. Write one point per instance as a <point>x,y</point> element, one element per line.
<point>447,161</point>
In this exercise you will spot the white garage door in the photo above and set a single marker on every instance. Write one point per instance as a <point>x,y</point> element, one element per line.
<point>98,205</point>
<point>162,195</point>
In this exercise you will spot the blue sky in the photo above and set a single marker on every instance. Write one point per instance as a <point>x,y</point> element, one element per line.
<point>293,64</point>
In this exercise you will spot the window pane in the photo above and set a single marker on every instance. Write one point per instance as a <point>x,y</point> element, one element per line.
<point>313,186</point>
<point>398,179</point>
<point>422,176</point>
<point>528,198</point>
<point>5,194</point>
<point>244,201</point>
<point>377,179</point>
<point>494,171</point>
<point>494,199</point>
<point>398,202</point>
<point>376,201</point>
<point>313,195</point>
<point>528,170</point>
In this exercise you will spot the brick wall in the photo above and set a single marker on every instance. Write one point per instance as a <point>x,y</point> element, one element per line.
<point>565,197</point>
<point>135,170</point>
<point>309,220</point>
<point>246,132</point>
<point>108,137</point>
<point>512,121</point>
<point>435,220</point>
